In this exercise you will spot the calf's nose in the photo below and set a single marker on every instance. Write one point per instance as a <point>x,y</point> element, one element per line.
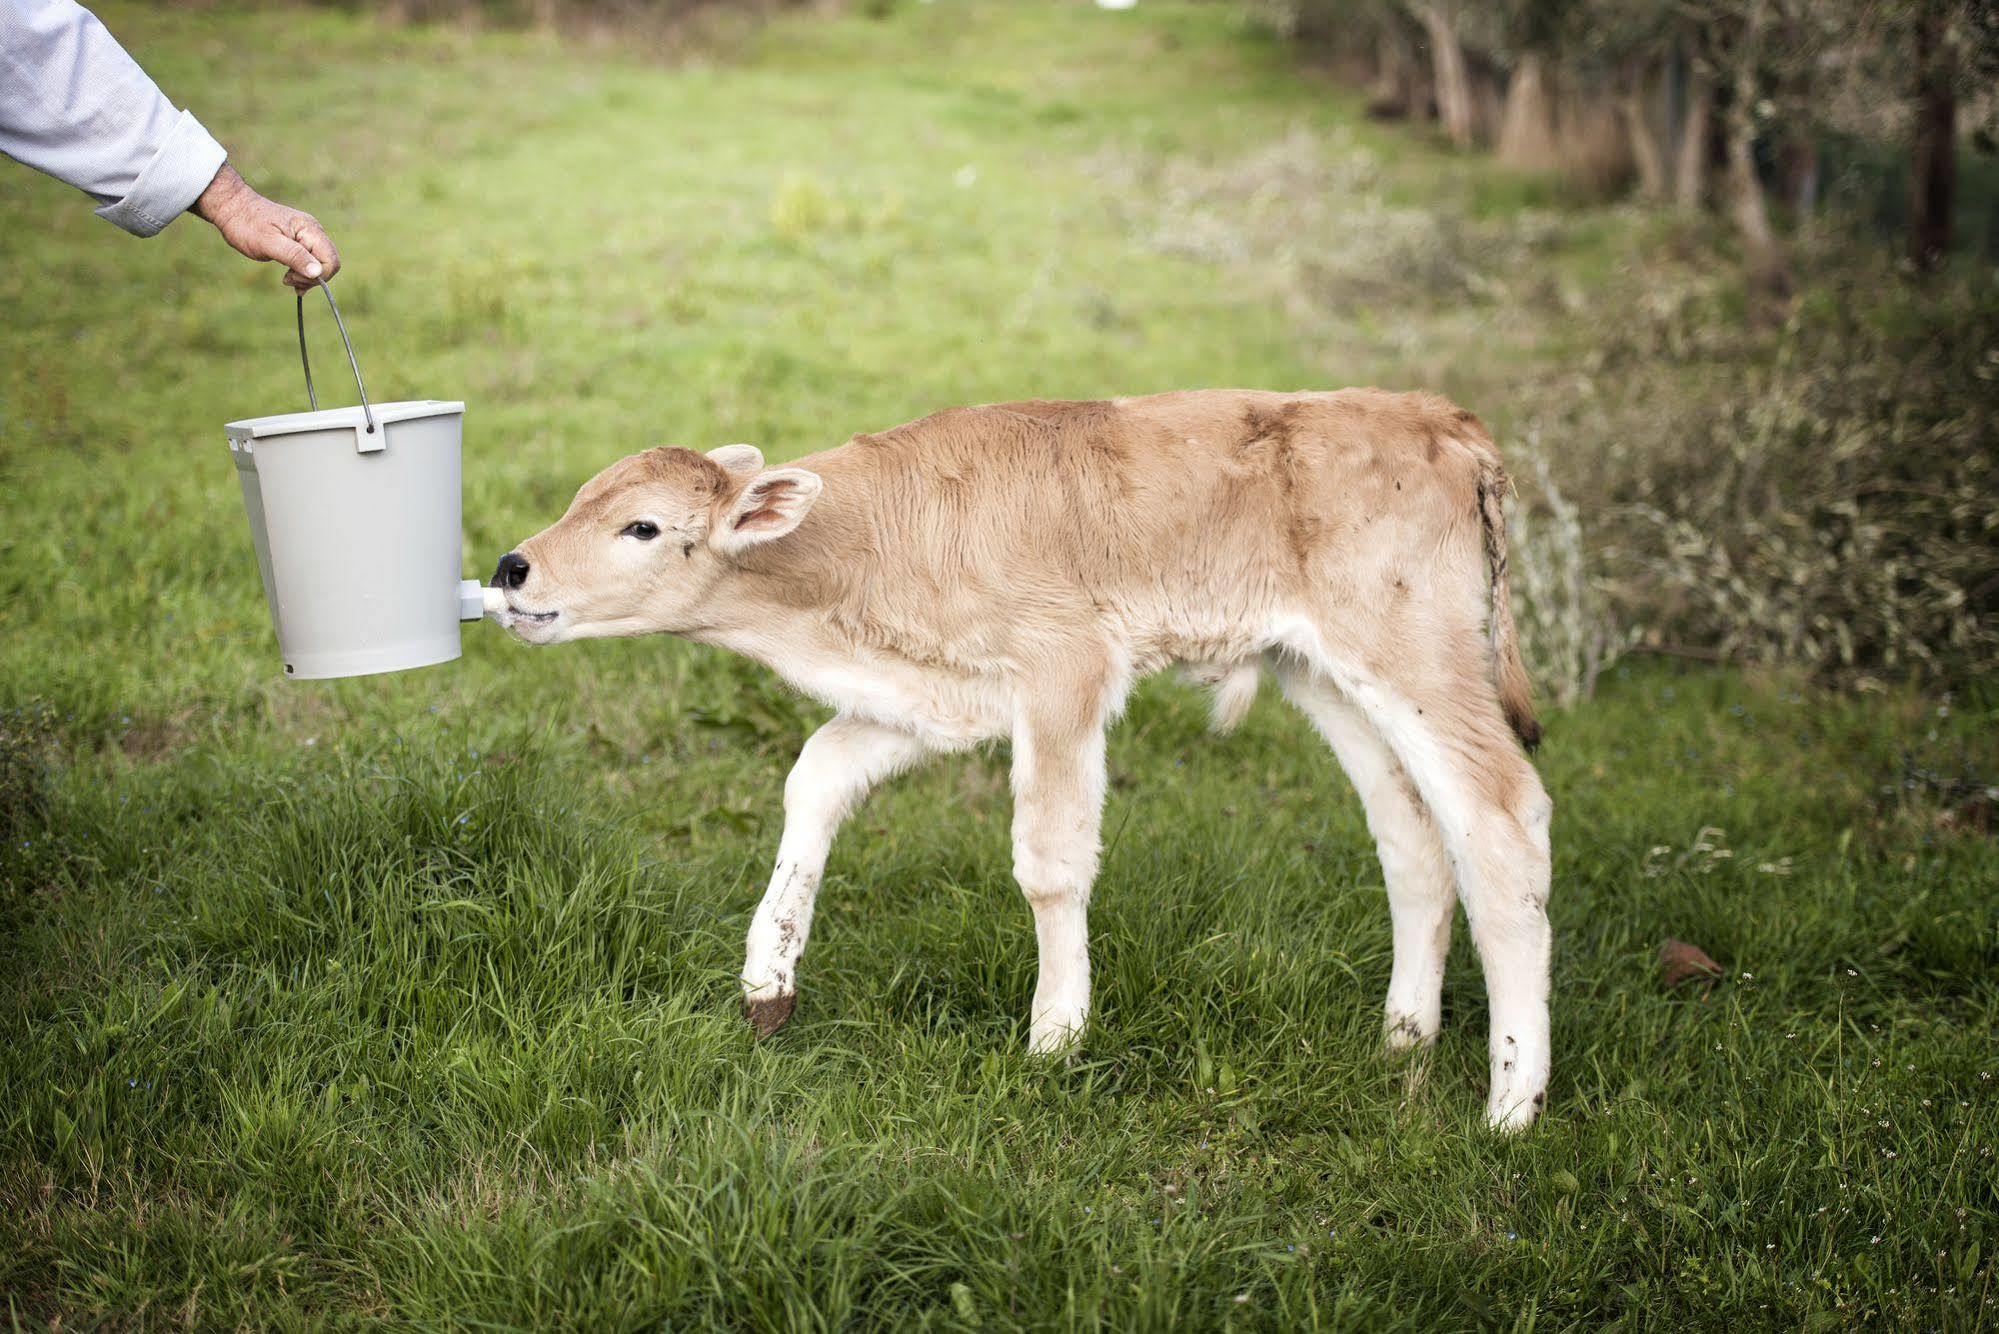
<point>512,571</point>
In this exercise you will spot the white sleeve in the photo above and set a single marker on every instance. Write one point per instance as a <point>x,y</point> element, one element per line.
<point>74,105</point>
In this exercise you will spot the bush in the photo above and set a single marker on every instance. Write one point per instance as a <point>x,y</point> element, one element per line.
<point>1824,494</point>
<point>1569,630</point>
<point>1842,507</point>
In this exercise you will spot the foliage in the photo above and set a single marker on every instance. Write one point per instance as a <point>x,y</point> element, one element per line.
<point>1571,628</point>
<point>1820,495</point>
<point>1841,511</point>
<point>25,736</point>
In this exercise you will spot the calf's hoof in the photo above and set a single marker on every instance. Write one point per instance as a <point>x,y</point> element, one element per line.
<point>1405,1033</point>
<point>1511,1114</point>
<point>768,1013</point>
<point>1053,1037</point>
<point>1519,1082</point>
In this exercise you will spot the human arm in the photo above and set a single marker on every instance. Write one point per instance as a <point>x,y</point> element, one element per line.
<point>73,104</point>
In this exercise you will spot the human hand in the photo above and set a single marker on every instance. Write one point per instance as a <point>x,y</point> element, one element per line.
<point>262,228</point>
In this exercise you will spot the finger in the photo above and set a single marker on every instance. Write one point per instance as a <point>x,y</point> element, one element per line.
<point>313,237</point>
<point>298,284</point>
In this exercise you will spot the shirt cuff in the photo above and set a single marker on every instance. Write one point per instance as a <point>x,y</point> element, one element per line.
<point>172,181</point>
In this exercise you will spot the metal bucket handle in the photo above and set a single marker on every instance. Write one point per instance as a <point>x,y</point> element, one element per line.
<point>305,361</point>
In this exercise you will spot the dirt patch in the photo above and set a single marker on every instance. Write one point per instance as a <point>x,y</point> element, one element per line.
<point>152,740</point>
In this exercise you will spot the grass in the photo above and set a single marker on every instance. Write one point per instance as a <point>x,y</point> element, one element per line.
<point>414,996</point>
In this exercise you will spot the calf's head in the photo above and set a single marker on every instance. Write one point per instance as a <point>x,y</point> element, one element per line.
<point>647,543</point>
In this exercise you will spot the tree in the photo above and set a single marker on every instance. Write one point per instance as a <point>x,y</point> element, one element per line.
<point>1933,175</point>
<point>1457,106</point>
<point>1734,38</point>
<point>1691,156</point>
<point>1610,64</point>
<point>1402,89</point>
<point>1942,56</point>
<point>1528,134</point>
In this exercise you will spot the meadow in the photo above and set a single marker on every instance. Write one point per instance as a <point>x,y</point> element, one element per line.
<point>413,997</point>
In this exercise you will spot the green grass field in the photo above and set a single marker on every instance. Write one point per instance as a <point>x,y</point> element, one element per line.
<point>413,997</point>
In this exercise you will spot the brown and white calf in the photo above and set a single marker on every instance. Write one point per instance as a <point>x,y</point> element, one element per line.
<point>1012,570</point>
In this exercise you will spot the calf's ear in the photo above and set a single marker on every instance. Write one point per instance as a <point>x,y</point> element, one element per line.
<point>770,505</point>
<point>741,460</point>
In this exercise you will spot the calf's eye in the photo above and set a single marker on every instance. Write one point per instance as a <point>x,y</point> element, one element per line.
<point>643,531</point>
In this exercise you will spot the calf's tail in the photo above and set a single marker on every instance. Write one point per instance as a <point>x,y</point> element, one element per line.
<point>1509,673</point>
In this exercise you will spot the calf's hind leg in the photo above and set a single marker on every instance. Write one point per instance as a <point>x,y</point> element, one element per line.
<point>1493,813</point>
<point>1413,866</point>
<point>1440,715</point>
<point>839,763</point>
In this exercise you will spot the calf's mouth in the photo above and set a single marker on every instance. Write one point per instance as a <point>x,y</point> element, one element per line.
<point>522,621</point>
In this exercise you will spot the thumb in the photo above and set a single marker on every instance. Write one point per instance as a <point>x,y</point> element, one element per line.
<point>294,256</point>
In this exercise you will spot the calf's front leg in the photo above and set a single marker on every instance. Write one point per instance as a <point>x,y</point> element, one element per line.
<point>839,764</point>
<point>1058,795</point>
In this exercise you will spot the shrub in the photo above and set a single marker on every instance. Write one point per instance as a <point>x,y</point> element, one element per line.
<point>1569,631</point>
<point>27,740</point>
<point>1840,508</point>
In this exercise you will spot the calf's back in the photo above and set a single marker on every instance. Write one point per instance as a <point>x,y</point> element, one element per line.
<point>1177,525</point>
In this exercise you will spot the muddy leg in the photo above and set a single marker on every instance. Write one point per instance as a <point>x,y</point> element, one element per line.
<point>1494,815</point>
<point>1443,721</point>
<point>840,763</point>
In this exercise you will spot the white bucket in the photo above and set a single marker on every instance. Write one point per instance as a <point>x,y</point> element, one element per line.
<point>355,516</point>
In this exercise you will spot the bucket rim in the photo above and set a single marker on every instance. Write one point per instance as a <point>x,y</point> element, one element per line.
<point>338,419</point>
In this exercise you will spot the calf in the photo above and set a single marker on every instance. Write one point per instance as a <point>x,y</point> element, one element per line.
<point>1012,570</point>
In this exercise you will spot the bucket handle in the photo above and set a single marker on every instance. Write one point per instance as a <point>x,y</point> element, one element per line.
<point>305,361</point>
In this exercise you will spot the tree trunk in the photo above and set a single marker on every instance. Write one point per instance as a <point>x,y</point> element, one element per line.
<point>1455,106</point>
<point>1527,128</point>
<point>1384,95</point>
<point>1596,152</point>
<point>1488,99</point>
<point>1760,247</point>
<point>1398,92</point>
<point>1933,181</point>
<point>1768,268</point>
<point>1690,172</point>
<point>1646,154</point>
<point>1797,181</point>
